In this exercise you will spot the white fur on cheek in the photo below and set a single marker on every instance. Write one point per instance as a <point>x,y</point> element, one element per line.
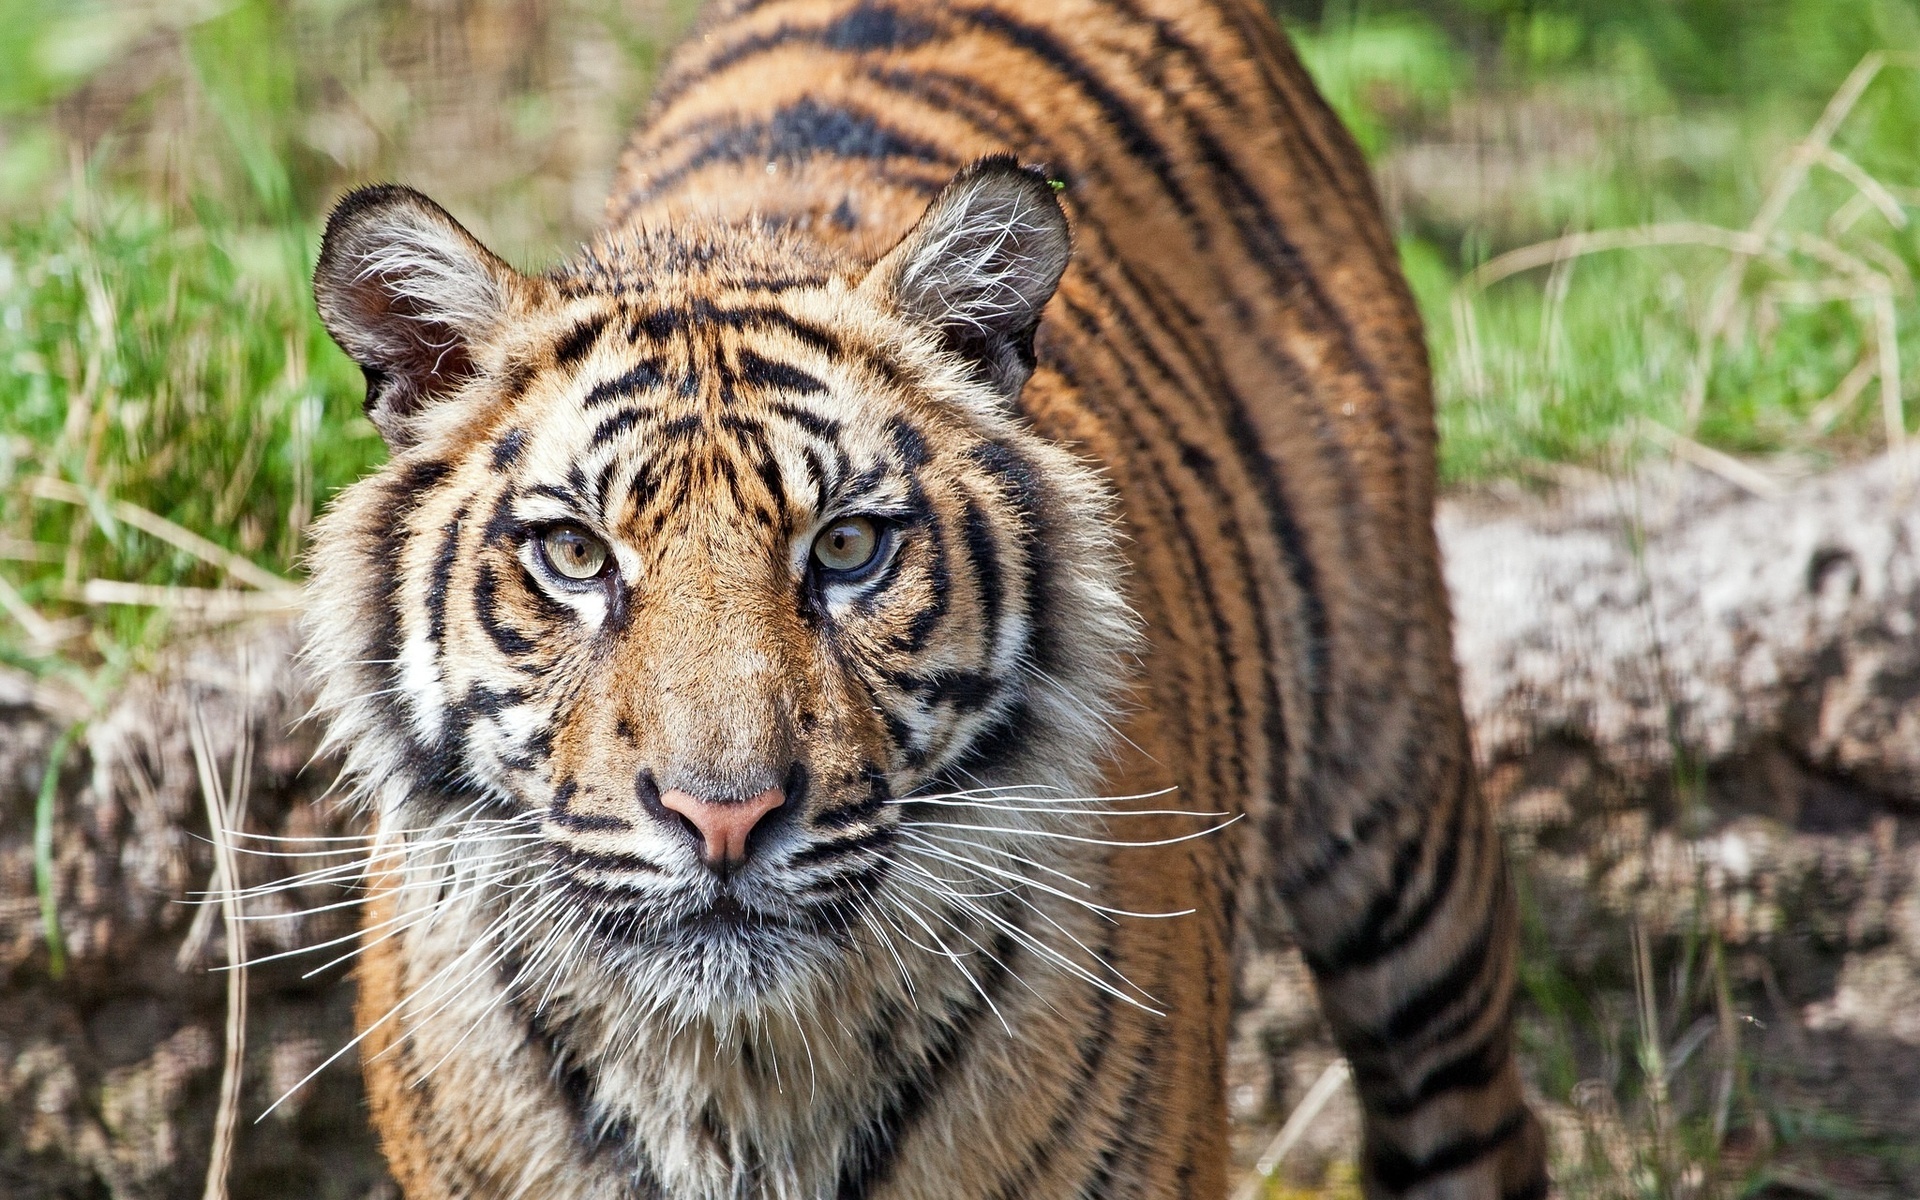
<point>590,605</point>
<point>424,690</point>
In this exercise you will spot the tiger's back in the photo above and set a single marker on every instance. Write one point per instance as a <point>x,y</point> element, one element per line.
<point>1233,346</point>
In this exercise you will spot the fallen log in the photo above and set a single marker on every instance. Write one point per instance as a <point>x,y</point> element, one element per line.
<point>1673,619</point>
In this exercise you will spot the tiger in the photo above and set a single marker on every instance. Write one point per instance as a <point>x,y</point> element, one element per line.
<point>837,667</point>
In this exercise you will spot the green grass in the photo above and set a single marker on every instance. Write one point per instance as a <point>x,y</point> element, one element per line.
<point>174,367</point>
<point>163,175</point>
<point>1524,123</point>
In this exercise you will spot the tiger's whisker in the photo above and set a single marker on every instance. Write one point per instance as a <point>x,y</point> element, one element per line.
<point>1002,852</point>
<point>1016,877</point>
<point>1057,835</point>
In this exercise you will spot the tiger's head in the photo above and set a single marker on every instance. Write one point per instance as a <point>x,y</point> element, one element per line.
<point>707,561</point>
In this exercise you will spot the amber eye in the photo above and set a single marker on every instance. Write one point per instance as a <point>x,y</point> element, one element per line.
<point>572,552</point>
<point>847,545</point>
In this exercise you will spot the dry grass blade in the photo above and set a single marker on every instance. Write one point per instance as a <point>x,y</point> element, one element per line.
<point>226,809</point>
<point>1892,412</point>
<point>239,567</point>
<point>1726,290</point>
<point>212,603</point>
<point>1639,237</point>
<point>1871,190</point>
<point>1298,1121</point>
<point>1815,270</point>
<point>43,631</point>
<point>1826,413</point>
<point>1466,331</point>
<point>1708,459</point>
<point>1652,1055</point>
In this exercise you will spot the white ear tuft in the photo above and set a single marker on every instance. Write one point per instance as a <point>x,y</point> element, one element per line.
<point>407,293</point>
<point>981,264</point>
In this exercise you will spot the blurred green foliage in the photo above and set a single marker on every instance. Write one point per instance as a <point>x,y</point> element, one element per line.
<point>1725,49</point>
<point>163,172</point>
<point>1498,123</point>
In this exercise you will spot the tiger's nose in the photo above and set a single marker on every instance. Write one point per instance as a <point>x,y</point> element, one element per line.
<point>724,825</point>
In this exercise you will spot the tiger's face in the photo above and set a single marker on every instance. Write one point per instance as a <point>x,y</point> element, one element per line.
<point>725,576</point>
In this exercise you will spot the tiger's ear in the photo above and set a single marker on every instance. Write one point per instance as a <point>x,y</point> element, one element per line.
<point>980,265</point>
<point>408,294</point>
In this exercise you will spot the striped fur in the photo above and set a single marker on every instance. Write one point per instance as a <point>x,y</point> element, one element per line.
<point>1173,549</point>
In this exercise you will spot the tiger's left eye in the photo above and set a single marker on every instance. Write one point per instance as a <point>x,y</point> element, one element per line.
<point>848,544</point>
<point>573,553</point>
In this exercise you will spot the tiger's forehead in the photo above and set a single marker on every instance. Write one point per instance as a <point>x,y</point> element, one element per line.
<point>764,404</point>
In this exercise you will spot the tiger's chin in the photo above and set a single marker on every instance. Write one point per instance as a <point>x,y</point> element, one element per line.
<point>721,962</point>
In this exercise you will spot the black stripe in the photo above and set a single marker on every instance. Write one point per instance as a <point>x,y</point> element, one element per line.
<point>1295,552</point>
<point>794,133</point>
<point>502,526</point>
<point>642,376</point>
<point>507,450</point>
<point>1415,1013</point>
<point>1122,1138</point>
<point>1470,1070</point>
<point>1025,493</point>
<point>442,576</point>
<point>1092,1048</point>
<point>901,735</point>
<point>402,497</point>
<point>486,607</point>
<point>600,1132</point>
<point>1247,443</point>
<point>1135,135</point>
<point>865,26</point>
<point>822,852</point>
<point>921,626</point>
<point>573,856</point>
<point>513,379</point>
<point>662,324</point>
<point>574,346</point>
<point>1377,1059</point>
<point>757,371</point>
<point>483,701</point>
<point>878,793</point>
<point>1256,223</point>
<point>983,554</point>
<point>1377,934</point>
<point>909,443</point>
<point>1173,318</point>
<point>966,691</point>
<point>1168,45</point>
<point>996,747</point>
<point>615,425</point>
<point>773,481</point>
<point>1198,572</point>
<point>1397,1171</point>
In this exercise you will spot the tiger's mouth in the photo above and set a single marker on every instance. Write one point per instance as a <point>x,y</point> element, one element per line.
<point>708,928</point>
<point>725,913</point>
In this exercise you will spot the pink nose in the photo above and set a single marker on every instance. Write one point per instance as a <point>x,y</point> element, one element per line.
<point>724,825</point>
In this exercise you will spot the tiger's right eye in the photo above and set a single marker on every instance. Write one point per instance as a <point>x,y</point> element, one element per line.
<point>573,553</point>
<point>847,545</point>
